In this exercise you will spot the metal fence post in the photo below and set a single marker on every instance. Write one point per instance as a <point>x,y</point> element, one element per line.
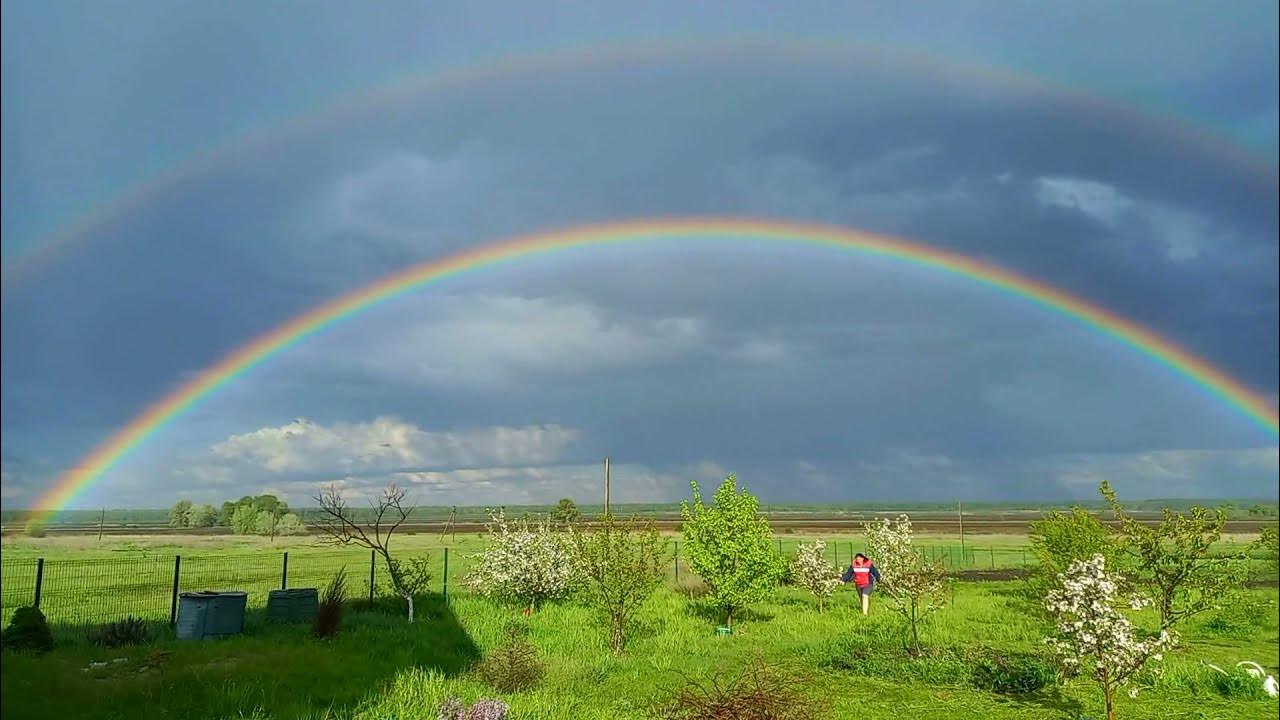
<point>173,597</point>
<point>372,566</point>
<point>284,572</point>
<point>39,581</point>
<point>445,589</point>
<point>676,560</point>
<point>993,557</point>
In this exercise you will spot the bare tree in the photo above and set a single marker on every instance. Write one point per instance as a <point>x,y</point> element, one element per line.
<point>337,524</point>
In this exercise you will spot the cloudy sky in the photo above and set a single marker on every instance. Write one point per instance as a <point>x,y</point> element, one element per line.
<point>180,177</point>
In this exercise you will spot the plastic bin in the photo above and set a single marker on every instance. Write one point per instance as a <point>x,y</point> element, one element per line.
<point>210,614</point>
<point>293,605</point>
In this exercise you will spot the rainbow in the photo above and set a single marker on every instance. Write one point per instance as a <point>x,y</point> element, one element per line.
<point>1199,372</point>
<point>22,262</point>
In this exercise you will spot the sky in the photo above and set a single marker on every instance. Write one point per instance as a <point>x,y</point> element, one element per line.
<point>1124,153</point>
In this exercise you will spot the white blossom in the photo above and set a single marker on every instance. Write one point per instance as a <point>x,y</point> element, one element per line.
<point>1092,632</point>
<point>525,561</point>
<point>809,570</point>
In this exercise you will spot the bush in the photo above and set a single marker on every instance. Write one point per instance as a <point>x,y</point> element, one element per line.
<point>27,632</point>
<point>1059,538</point>
<point>329,612</point>
<point>35,527</point>
<point>759,692</point>
<point>202,516</point>
<point>129,631</point>
<point>514,666</point>
<point>1013,673</point>
<point>1240,617</point>
<point>290,524</point>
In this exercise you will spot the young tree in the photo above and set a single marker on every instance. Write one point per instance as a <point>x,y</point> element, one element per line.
<point>180,514</point>
<point>731,546</point>
<point>1093,633</point>
<point>1058,539</point>
<point>914,584</point>
<point>226,512</point>
<point>523,561</point>
<point>566,512</point>
<point>810,570</point>
<point>621,564</point>
<point>202,516</point>
<point>1268,543</point>
<point>245,520</point>
<point>1173,560</point>
<point>337,523</point>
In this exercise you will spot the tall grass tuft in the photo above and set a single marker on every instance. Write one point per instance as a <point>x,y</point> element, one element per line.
<point>329,613</point>
<point>758,692</point>
<point>515,665</point>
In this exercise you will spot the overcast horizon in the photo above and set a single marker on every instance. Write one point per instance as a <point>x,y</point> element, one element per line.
<point>1125,154</point>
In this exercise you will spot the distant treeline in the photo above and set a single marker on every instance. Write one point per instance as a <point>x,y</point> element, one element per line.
<point>1237,508</point>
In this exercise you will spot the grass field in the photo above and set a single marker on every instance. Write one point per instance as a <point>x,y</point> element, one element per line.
<point>379,667</point>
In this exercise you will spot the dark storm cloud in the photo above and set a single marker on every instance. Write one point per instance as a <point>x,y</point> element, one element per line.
<point>773,360</point>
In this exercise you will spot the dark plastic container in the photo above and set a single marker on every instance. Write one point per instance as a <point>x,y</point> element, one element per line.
<point>293,605</point>
<point>210,614</point>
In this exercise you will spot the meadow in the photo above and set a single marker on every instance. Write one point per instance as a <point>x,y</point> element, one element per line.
<point>379,667</point>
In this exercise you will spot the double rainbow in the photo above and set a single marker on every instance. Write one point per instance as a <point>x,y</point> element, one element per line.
<point>1146,342</point>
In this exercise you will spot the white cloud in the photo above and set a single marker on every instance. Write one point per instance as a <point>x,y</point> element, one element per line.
<point>1184,235</point>
<point>1167,473</point>
<point>387,443</point>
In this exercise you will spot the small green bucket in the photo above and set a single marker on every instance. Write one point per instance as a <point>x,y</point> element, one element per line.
<point>724,631</point>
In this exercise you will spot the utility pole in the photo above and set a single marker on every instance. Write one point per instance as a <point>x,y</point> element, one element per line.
<point>960,514</point>
<point>606,487</point>
<point>101,519</point>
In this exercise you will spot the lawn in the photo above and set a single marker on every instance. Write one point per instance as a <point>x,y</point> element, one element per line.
<point>379,667</point>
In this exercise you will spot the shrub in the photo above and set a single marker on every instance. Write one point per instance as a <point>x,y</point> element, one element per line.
<point>180,514</point>
<point>244,521</point>
<point>290,524</point>
<point>329,612</point>
<point>514,666</point>
<point>35,527</point>
<point>1013,673</point>
<point>202,516</point>
<point>758,692</point>
<point>1059,538</point>
<point>27,632</point>
<point>1240,617</point>
<point>129,631</point>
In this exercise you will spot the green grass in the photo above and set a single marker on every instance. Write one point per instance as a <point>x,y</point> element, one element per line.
<point>378,667</point>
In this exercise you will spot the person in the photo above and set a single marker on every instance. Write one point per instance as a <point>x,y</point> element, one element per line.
<point>865,575</point>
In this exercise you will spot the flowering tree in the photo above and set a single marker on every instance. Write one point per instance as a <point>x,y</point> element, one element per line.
<point>731,546</point>
<point>809,570</point>
<point>620,564</point>
<point>1093,632</point>
<point>914,584</point>
<point>524,561</point>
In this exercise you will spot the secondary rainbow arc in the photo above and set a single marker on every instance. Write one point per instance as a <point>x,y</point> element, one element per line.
<point>1142,340</point>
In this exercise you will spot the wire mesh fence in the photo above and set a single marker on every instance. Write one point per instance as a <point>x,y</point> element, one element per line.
<point>83,592</point>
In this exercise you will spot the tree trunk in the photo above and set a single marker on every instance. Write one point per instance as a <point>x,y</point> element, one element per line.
<point>820,599</point>
<point>409,597</point>
<point>729,618</point>
<point>1109,693</point>
<point>615,636</point>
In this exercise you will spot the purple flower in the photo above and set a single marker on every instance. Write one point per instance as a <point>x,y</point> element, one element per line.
<point>486,709</point>
<point>452,709</point>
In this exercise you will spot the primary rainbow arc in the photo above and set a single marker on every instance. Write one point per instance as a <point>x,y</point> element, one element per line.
<point>1192,368</point>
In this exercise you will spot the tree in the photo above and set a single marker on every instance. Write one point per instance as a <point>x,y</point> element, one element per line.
<point>1172,559</point>
<point>337,524</point>
<point>290,524</point>
<point>524,561</point>
<point>35,527</point>
<point>1093,633</point>
<point>810,570</point>
<point>621,564</point>
<point>245,520</point>
<point>1268,543</point>
<point>267,523</point>
<point>566,512</point>
<point>180,514</point>
<point>202,516</point>
<point>914,584</point>
<point>1058,539</point>
<point>731,546</point>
